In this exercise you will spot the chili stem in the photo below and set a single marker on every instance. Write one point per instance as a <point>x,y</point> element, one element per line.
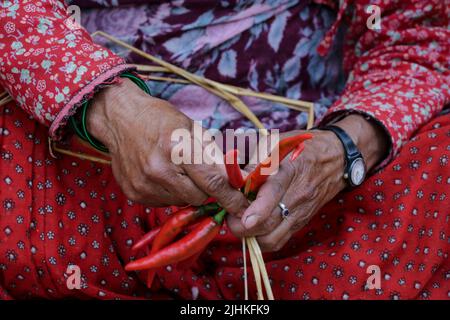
<point>218,218</point>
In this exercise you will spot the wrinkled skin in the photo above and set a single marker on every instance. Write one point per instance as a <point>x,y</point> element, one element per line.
<point>306,184</point>
<point>137,130</point>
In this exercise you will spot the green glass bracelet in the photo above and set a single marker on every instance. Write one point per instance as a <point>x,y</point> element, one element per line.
<point>83,133</point>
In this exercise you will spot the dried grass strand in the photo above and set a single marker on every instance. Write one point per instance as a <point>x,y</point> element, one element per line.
<point>244,255</point>
<point>262,268</point>
<point>298,105</point>
<point>5,100</point>
<point>256,270</point>
<point>233,100</point>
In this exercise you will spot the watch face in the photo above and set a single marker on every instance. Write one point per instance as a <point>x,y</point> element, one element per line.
<point>357,172</point>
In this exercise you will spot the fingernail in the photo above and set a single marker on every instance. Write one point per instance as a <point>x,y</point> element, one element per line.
<point>251,221</point>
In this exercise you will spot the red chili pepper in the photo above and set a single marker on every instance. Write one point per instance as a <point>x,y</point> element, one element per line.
<point>183,248</point>
<point>174,226</point>
<point>209,200</point>
<point>146,239</point>
<point>297,151</point>
<point>233,170</point>
<point>151,273</point>
<point>187,263</point>
<point>169,230</point>
<point>150,236</point>
<point>256,179</point>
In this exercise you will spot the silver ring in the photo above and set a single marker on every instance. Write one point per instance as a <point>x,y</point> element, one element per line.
<point>284,210</point>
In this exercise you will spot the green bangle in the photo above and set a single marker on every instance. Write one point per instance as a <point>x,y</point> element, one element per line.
<point>138,81</point>
<point>74,125</point>
<point>92,141</point>
<point>83,133</point>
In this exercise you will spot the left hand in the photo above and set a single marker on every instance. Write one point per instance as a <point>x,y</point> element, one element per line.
<point>306,184</point>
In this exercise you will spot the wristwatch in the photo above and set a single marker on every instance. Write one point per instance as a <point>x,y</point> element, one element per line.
<point>355,167</point>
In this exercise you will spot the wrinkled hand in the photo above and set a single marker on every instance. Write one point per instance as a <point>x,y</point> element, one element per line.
<point>306,184</point>
<point>137,130</point>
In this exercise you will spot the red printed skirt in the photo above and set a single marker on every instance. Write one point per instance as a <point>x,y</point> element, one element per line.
<point>60,212</point>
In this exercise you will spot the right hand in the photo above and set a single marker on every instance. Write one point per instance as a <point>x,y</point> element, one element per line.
<point>137,129</point>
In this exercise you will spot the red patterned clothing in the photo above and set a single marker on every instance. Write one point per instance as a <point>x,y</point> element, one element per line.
<point>59,212</point>
<point>48,64</point>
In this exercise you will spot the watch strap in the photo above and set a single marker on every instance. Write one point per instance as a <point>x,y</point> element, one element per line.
<point>352,153</point>
<point>351,150</point>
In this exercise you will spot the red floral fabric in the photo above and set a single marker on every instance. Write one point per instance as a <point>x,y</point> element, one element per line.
<point>60,212</point>
<point>48,63</point>
<point>399,75</point>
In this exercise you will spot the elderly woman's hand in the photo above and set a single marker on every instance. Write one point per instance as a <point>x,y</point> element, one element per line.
<point>306,184</point>
<point>137,130</point>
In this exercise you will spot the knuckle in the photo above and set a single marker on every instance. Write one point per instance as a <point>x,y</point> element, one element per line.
<point>255,231</point>
<point>136,185</point>
<point>265,244</point>
<point>149,170</point>
<point>197,199</point>
<point>308,192</point>
<point>299,223</point>
<point>131,194</point>
<point>193,198</point>
<point>291,169</point>
<point>161,175</point>
<point>278,246</point>
<point>166,174</point>
<point>277,186</point>
<point>269,224</point>
<point>154,170</point>
<point>186,190</point>
<point>238,232</point>
<point>167,179</point>
<point>215,183</point>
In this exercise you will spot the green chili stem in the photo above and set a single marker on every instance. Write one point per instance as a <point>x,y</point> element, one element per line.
<point>218,218</point>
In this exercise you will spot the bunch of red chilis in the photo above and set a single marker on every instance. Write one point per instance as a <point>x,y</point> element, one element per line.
<point>205,221</point>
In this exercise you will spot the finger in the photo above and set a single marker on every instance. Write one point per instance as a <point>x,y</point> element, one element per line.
<point>290,224</point>
<point>264,209</point>
<point>210,176</point>
<point>176,182</point>
<point>278,237</point>
<point>151,193</point>
<point>267,245</point>
<point>159,180</point>
<point>261,211</point>
<point>187,190</point>
<point>142,190</point>
<point>265,227</point>
<point>235,225</point>
<point>213,181</point>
